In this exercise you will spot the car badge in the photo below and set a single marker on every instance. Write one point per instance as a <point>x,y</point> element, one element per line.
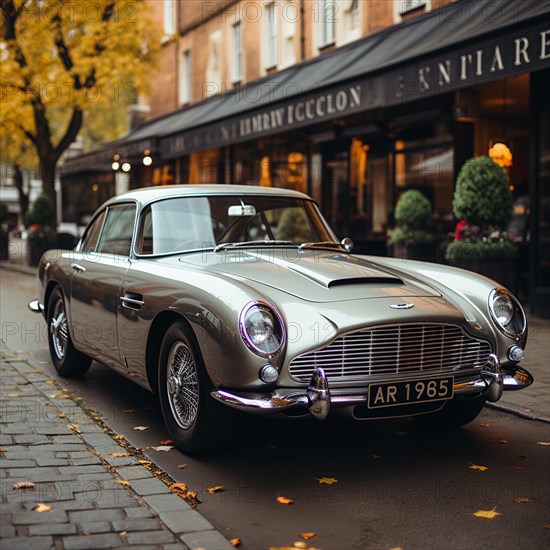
<point>402,306</point>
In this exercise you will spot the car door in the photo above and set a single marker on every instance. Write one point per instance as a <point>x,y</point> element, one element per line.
<point>98,271</point>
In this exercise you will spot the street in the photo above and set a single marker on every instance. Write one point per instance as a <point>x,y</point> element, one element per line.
<point>380,485</point>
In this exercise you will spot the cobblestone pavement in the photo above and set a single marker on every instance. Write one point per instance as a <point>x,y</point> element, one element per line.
<point>97,499</point>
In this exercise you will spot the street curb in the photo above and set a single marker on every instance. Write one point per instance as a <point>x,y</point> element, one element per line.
<point>198,531</point>
<point>515,412</point>
<point>18,268</point>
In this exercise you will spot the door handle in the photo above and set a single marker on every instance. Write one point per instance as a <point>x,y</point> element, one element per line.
<point>78,267</point>
<point>132,301</point>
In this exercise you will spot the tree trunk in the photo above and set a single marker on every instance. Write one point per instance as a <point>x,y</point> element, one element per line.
<point>47,173</point>
<point>22,195</point>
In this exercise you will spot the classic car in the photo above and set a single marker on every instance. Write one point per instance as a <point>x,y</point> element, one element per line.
<point>226,298</point>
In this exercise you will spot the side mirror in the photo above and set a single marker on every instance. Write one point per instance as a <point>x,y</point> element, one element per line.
<point>347,243</point>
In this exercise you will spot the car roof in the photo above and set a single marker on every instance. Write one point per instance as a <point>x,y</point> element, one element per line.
<point>147,195</point>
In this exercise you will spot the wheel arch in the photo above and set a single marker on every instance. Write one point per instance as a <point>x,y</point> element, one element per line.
<point>160,325</point>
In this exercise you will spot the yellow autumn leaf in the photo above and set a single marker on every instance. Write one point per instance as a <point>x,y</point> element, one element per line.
<point>235,542</point>
<point>122,533</point>
<point>485,424</point>
<point>284,500</point>
<point>480,468</point>
<point>118,436</point>
<point>24,485</point>
<point>41,507</point>
<point>307,536</point>
<point>182,466</point>
<point>119,455</point>
<point>167,442</point>
<point>216,489</point>
<point>74,427</point>
<point>327,480</point>
<point>123,482</point>
<point>488,514</point>
<point>522,500</point>
<point>179,488</point>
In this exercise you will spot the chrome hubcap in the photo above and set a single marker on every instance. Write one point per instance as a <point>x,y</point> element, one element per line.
<point>182,385</point>
<point>59,330</point>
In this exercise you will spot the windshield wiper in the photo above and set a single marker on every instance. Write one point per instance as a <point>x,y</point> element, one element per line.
<point>322,244</point>
<point>223,246</point>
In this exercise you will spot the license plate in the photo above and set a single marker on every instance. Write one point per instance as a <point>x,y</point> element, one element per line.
<point>410,391</point>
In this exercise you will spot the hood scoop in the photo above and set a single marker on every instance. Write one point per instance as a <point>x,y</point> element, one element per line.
<point>366,281</point>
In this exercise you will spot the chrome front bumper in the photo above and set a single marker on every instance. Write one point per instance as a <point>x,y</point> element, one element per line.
<point>492,380</point>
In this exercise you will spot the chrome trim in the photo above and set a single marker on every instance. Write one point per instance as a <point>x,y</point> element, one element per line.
<point>132,301</point>
<point>318,399</point>
<point>35,306</point>
<point>492,371</point>
<point>399,349</point>
<point>78,267</point>
<point>402,306</point>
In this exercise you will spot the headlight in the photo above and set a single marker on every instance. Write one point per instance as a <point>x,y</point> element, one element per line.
<point>262,329</point>
<point>507,313</point>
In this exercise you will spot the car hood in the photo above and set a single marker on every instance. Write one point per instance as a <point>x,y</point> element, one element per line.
<point>313,275</point>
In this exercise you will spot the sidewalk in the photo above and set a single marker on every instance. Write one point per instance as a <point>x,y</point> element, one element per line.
<point>95,494</point>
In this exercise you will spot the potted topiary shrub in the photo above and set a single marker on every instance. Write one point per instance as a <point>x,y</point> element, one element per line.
<point>483,203</point>
<point>4,234</point>
<point>412,238</point>
<point>40,234</point>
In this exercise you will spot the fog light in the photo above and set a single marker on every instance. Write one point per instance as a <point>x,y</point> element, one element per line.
<point>268,373</point>
<point>515,353</point>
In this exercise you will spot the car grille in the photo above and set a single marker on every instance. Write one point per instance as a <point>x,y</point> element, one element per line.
<point>394,350</point>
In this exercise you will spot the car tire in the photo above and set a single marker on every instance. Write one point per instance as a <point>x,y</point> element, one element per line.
<point>67,360</point>
<point>455,413</point>
<point>195,421</point>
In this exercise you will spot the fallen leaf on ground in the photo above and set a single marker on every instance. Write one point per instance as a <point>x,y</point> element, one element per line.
<point>485,424</point>
<point>74,427</point>
<point>145,462</point>
<point>123,482</point>
<point>480,468</point>
<point>488,514</point>
<point>2,449</point>
<point>327,480</point>
<point>61,396</point>
<point>119,455</point>
<point>543,443</point>
<point>308,536</point>
<point>118,436</point>
<point>165,448</point>
<point>122,533</point>
<point>180,488</point>
<point>182,466</point>
<point>301,544</point>
<point>235,542</point>
<point>62,415</point>
<point>41,507</point>
<point>284,500</point>
<point>167,442</point>
<point>141,428</point>
<point>522,500</point>
<point>24,485</point>
<point>216,489</point>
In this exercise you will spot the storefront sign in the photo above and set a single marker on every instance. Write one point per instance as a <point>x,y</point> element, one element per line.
<point>513,54</point>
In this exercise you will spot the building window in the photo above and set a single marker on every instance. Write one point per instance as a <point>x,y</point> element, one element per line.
<point>185,79</point>
<point>351,28</point>
<point>212,85</point>
<point>271,37</point>
<point>403,7</point>
<point>290,15</point>
<point>237,65</point>
<point>327,14</point>
<point>169,17</point>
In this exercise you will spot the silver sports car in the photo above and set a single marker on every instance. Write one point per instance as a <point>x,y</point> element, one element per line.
<point>224,298</point>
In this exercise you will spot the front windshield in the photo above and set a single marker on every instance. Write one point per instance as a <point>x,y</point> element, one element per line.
<point>183,224</point>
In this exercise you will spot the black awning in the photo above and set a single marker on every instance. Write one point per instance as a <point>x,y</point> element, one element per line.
<point>460,45</point>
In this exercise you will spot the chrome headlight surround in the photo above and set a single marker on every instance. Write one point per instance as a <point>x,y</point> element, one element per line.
<point>262,329</point>
<point>507,313</point>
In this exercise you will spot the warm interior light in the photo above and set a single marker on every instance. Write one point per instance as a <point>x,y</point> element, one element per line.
<point>501,154</point>
<point>147,161</point>
<point>115,165</point>
<point>126,167</point>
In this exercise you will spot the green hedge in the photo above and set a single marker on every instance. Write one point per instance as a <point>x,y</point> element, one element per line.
<point>463,250</point>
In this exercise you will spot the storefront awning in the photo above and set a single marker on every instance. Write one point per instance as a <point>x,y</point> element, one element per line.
<point>463,44</point>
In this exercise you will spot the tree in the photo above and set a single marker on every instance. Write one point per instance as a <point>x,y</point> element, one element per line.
<point>61,60</point>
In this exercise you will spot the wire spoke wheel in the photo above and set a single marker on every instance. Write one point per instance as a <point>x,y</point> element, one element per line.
<point>59,329</point>
<point>182,385</point>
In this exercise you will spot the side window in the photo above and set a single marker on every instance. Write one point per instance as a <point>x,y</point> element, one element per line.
<point>145,245</point>
<point>91,237</point>
<point>116,236</point>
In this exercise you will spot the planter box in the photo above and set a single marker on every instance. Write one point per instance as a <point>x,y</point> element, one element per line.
<point>421,252</point>
<point>501,270</point>
<point>35,249</point>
